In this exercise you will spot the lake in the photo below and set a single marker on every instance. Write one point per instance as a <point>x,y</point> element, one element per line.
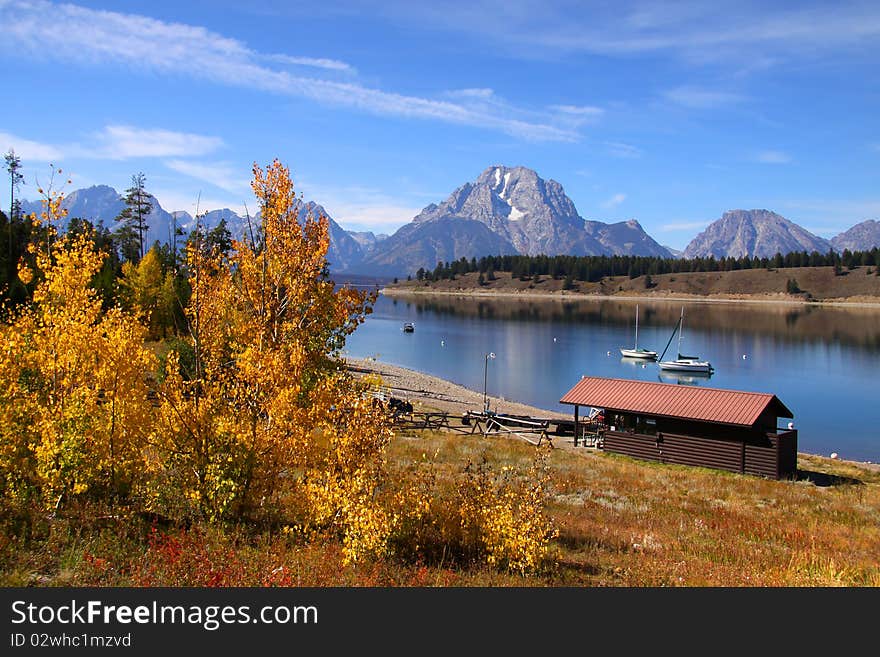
<point>821,361</point>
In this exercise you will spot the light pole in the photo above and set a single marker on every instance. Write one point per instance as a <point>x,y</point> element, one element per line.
<point>485,379</point>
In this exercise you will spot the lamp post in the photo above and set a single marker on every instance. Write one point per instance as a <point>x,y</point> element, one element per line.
<point>485,379</point>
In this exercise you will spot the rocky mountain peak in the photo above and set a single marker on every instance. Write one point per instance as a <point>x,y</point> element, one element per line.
<point>752,233</point>
<point>532,214</point>
<point>863,236</point>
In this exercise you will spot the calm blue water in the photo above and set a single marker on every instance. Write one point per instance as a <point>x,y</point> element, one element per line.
<point>823,363</point>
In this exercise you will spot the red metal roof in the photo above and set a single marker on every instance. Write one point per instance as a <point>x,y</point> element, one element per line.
<point>672,400</point>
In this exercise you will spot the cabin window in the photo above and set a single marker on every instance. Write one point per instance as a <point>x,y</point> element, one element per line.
<point>646,425</point>
<point>622,422</point>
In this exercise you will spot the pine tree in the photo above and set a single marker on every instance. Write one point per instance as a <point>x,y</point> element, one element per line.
<point>10,253</point>
<point>138,205</point>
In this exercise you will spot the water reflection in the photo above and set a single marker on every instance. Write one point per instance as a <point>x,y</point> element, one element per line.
<point>783,322</point>
<point>684,378</point>
<point>820,361</point>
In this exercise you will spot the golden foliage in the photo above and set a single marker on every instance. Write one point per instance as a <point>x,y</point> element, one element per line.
<point>268,412</point>
<point>73,403</point>
<point>147,290</point>
<point>254,417</point>
<point>504,513</point>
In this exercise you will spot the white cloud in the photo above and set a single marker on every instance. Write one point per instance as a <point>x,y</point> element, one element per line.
<point>117,142</point>
<point>580,110</point>
<point>219,174</point>
<point>773,157</point>
<point>92,37</point>
<point>614,201</point>
<point>124,142</point>
<point>696,98</point>
<point>315,62</point>
<point>577,115</point>
<point>622,150</point>
<point>30,150</point>
<point>480,93</point>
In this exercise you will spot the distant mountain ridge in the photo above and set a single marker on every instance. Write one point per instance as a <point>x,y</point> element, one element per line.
<point>505,211</point>
<point>102,204</point>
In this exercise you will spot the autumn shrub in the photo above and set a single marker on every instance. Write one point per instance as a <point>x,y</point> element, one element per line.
<point>503,514</point>
<point>480,515</point>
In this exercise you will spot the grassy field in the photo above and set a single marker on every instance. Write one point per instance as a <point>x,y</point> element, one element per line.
<point>621,522</point>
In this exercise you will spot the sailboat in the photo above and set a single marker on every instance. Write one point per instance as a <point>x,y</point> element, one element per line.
<point>684,363</point>
<point>635,352</point>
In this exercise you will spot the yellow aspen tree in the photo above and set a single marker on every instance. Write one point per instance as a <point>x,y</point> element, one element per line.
<point>142,285</point>
<point>269,418</point>
<point>75,392</point>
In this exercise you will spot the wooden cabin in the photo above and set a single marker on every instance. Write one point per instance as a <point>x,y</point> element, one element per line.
<point>710,427</point>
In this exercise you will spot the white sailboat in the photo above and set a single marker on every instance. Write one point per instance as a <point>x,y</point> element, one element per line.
<point>635,352</point>
<point>684,363</point>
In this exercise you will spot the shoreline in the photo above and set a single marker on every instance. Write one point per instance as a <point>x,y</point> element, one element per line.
<point>580,296</point>
<point>439,394</point>
<point>425,390</point>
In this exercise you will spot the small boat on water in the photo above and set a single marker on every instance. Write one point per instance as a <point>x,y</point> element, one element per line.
<point>636,352</point>
<point>684,363</point>
<point>409,327</point>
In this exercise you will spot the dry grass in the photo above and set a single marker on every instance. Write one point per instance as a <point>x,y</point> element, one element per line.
<point>625,522</point>
<point>621,522</point>
<point>858,285</point>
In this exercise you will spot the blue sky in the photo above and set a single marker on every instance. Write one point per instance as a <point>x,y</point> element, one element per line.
<point>666,112</point>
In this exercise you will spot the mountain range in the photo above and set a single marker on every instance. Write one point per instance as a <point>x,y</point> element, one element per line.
<point>506,210</point>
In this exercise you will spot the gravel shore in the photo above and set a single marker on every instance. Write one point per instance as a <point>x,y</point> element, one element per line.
<point>426,392</point>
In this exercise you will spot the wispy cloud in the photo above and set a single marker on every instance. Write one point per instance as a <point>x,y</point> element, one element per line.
<point>219,174</point>
<point>685,225</point>
<point>356,207</point>
<point>90,37</point>
<point>622,150</point>
<point>723,30</point>
<point>30,150</point>
<point>480,93</point>
<point>125,142</point>
<point>314,62</point>
<point>695,98</point>
<point>117,142</point>
<point>773,157</point>
<point>614,201</point>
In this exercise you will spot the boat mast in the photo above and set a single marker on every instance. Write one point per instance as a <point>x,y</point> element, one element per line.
<point>666,348</point>
<point>636,348</point>
<point>680,330</point>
